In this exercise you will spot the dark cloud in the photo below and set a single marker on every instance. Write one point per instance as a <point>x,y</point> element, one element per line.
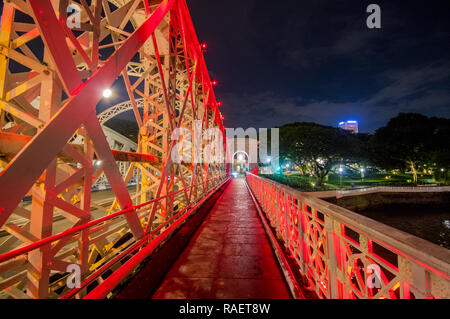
<point>412,90</point>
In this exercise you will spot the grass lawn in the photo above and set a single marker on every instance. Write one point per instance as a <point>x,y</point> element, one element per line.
<point>308,184</point>
<point>303,183</point>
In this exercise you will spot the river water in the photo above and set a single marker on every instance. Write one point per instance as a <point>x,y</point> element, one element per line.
<point>432,224</point>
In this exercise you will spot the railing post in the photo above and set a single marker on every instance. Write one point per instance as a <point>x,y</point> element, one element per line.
<point>286,215</point>
<point>300,233</point>
<point>421,280</point>
<point>332,259</point>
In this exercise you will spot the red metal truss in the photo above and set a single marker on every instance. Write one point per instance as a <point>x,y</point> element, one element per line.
<point>54,149</point>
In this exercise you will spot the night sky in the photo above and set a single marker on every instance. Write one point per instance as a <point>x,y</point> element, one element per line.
<point>279,62</point>
<point>287,61</point>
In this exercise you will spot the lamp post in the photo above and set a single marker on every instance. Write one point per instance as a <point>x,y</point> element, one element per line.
<point>340,175</point>
<point>362,175</point>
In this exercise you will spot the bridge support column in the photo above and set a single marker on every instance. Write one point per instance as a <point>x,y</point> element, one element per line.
<point>41,221</point>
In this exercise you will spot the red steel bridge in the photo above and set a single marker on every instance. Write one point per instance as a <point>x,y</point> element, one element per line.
<point>162,228</point>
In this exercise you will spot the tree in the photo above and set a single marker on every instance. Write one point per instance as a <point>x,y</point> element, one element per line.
<point>405,142</point>
<point>317,148</point>
<point>440,153</point>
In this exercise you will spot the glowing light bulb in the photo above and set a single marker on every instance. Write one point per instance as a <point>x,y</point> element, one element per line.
<point>107,93</point>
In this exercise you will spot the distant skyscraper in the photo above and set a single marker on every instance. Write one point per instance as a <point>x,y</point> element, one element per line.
<point>350,126</point>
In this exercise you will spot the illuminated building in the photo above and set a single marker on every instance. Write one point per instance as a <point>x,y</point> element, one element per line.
<point>349,126</point>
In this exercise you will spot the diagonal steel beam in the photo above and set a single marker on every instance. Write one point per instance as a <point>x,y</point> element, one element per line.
<point>55,39</point>
<point>111,171</point>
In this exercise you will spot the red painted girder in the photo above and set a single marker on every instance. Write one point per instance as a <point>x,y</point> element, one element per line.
<point>11,144</point>
<point>134,157</point>
<point>55,39</point>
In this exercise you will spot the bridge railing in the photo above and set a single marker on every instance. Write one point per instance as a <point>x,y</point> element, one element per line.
<point>344,255</point>
<point>15,269</point>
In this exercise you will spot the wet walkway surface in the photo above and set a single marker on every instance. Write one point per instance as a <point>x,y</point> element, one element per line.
<point>229,256</point>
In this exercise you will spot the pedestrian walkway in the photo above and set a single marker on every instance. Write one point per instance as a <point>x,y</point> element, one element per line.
<point>229,256</point>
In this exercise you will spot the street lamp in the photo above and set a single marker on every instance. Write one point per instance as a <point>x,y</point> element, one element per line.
<point>362,174</point>
<point>107,93</point>
<point>340,173</point>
